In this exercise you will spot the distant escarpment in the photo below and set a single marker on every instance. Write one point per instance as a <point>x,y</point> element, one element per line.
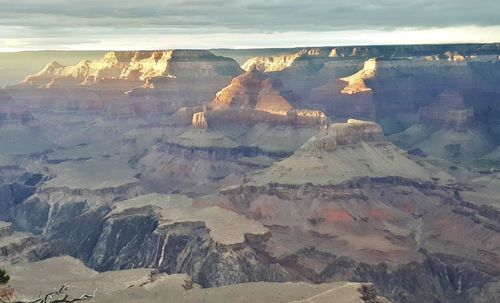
<point>135,66</point>
<point>166,80</point>
<point>457,53</point>
<point>380,81</point>
<point>375,82</point>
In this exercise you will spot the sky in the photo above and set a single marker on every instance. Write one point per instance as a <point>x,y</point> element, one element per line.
<point>162,24</point>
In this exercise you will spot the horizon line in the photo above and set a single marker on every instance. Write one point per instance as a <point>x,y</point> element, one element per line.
<point>245,48</point>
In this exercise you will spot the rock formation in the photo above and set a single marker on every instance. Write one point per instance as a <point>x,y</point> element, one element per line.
<point>137,66</point>
<point>249,181</point>
<point>448,129</point>
<point>356,83</point>
<point>348,96</point>
<point>253,90</point>
<point>147,285</point>
<point>354,196</point>
<point>449,111</point>
<point>344,151</point>
<point>270,64</point>
<point>199,120</point>
<point>165,80</point>
<point>251,98</point>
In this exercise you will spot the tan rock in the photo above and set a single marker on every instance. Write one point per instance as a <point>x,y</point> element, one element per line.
<point>356,83</point>
<point>138,66</point>
<point>199,120</point>
<point>344,151</point>
<point>253,90</point>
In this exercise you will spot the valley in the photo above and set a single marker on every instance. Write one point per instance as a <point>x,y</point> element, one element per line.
<point>270,175</point>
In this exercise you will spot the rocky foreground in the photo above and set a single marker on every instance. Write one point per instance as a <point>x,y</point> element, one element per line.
<point>145,285</point>
<point>319,165</point>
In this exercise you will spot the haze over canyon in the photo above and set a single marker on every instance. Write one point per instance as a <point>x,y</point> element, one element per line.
<point>311,174</point>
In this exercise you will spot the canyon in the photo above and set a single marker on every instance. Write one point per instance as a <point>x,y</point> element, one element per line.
<point>269,175</point>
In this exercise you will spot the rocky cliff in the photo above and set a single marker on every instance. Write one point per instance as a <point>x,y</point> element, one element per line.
<point>356,83</point>
<point>406,76</point>
<point>355,229</point>
<point>250,181</point>
<point>251,98</point>
<point>130,83</point>
<point>137,66</point>
<point>449,111</point>
<point>343,151</point>
<point>147,285</point>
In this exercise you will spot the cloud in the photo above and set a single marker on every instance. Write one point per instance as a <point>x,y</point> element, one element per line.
<point>98,20</point>
<point>275,15</point>
<point>118,40</point>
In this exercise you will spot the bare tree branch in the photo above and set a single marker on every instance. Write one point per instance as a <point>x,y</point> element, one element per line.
<point>58,296</point>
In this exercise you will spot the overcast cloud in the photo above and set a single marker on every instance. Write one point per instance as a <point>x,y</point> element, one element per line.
<point>64,24</point>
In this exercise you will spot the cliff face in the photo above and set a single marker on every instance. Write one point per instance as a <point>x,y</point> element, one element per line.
<point>449,111</point>
<point>448,128</point>
<point>270,64</point>
<point>199,120</point>
<point>344,151</point>
<point>398,80</point>
<point>137,66</point>
<point>251,98</point>
<point>253,90</point>
<point>16,113</point>
<point>250,181</point>
<point>166,233</point>
<point>163,80</point>
<point>348,96</point>
<point>357,231</point>
<point>356,83</point>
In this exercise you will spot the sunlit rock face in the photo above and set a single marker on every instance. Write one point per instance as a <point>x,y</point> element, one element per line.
<point>282,62</point>
<point>403,79</point>
<point>253,90</point>
<point>167,80</point>
<point>250,98</point>
<point>356,83</point>
<point>348,96</point>
<point>270,64</point>
<point>138,66</point>
<point>199,120</point>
